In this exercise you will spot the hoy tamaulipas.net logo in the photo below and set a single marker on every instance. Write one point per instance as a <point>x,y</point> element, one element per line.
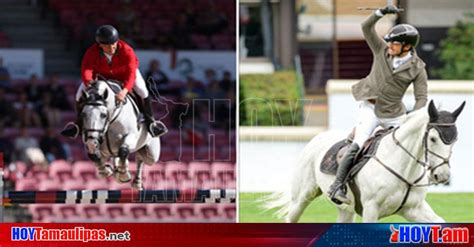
<point>73,234</point>
<point>429,234</point>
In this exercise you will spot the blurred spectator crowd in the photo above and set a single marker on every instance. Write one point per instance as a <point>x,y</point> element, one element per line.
<point>178,24</point>
<point>200,115</point>
<point>198,151</point>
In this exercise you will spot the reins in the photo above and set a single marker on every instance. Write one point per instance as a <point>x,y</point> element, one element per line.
<point>424,164</point>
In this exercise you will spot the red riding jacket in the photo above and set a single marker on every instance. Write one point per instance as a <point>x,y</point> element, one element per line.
<point>122,67</point>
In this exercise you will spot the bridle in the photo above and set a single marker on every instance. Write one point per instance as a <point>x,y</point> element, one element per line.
<point>110,118</point>
<point>102,130</point>
<point>428,151</point>
<point>424,164</point>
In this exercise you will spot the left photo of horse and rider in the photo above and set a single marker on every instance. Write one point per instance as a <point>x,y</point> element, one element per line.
<point>118,111</point>
<point>356,111</point>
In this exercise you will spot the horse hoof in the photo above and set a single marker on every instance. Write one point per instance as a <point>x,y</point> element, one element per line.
<point>106,171</point>
<point>123,177</point>
<point>137,184</point>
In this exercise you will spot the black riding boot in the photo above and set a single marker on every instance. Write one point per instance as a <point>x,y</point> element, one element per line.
<point>336,192</point>
<point>73,129</point>
<point>156,128</point>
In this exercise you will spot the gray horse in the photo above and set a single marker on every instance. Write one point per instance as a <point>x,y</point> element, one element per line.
<point>112,130</point>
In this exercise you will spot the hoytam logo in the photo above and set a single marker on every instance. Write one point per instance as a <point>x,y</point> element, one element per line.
<point>428,234</point>
<point>74,234</point>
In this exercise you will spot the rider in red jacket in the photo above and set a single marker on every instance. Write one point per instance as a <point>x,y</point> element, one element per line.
<point>114,59</point>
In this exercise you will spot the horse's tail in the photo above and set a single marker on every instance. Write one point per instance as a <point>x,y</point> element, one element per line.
<point>303,179</point>
<point>278,200</point>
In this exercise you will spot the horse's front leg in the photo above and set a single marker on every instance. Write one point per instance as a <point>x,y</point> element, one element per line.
<point>371,212</point>
<point>345,216</point>
<point>123,174</point>
<point>103,170</point>
<point>421,213</point>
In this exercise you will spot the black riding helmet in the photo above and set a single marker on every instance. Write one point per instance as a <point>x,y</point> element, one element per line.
<point>106,34</point>
<point>403,33</point>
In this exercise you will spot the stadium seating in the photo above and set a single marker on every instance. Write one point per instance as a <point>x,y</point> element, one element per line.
<point>200,171</point>
<point>41,212</point>
<point>97,184</point>
<point>4,40</point>
<point>159,211</point>
<point>155,172</point>
<point>50,184</point>
<point>223,171</point>
<point>136,211</point>
<point>176,171</point>
<point>60,169</point>
<point>89,211</point>
<point>164,175</point>
<point>26,184</point>
<point>207,211</point>
<point>155,17</point>
<point>209,166</point>
<point>84,170</point>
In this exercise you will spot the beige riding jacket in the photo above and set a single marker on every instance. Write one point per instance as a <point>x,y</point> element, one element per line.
<point>386,85</point>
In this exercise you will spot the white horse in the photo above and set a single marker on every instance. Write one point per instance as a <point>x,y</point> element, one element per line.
<point>393,181</point>
<point>113,130</point>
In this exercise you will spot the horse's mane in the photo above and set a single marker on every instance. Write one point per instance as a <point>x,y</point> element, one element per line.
<point>444,116</point>
<point>417,115</point>
<point>96,91</point>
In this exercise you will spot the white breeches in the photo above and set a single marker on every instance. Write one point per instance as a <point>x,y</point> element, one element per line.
<point>367,122</point>
<point>139,87</point>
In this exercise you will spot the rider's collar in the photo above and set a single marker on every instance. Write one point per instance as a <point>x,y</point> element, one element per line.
<point>102,53</point>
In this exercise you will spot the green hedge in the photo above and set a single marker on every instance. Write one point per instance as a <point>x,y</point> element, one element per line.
<point>457,51</point>
<point>271,99</point>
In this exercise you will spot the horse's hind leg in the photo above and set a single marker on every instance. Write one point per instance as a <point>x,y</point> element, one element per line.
<point>299,203</point>
<point>138,180</point>
<point>122,173</point>
<point>151,152</point>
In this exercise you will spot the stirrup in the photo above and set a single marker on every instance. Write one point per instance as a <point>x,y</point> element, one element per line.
<point>157,129</point>
<point>333,191</point>
<point>344,199</point>
<point>71,130</point>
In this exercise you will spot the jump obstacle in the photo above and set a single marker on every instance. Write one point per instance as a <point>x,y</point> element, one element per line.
<point>119,196</point>
<point>8,198</point>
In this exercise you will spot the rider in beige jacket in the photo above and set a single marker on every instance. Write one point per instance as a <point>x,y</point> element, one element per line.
<point>395,66</point>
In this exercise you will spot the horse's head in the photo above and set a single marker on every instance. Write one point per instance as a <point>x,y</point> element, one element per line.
<point>95,114</point>
<point>441,134</point>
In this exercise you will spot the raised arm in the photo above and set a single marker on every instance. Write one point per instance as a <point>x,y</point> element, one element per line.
<point>368,29</point>
<point>375,42</point>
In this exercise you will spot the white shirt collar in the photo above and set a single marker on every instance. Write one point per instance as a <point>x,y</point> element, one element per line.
<point>398,61</point>
<point>109,57</point>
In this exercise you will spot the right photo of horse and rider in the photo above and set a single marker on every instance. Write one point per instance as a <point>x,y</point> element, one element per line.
<point>356,111</point>
<point>118,111</point>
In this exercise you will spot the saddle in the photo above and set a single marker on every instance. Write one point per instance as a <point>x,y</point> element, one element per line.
<point>134,99</point>
<point>332,157</point>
